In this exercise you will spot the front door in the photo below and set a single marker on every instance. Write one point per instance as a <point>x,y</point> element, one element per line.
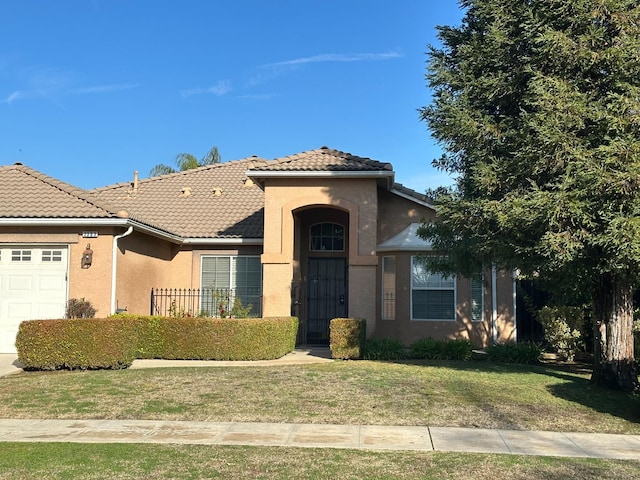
<point>326,296</point>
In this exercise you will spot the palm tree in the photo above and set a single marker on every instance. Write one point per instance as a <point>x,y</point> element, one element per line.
<point>187,161</point>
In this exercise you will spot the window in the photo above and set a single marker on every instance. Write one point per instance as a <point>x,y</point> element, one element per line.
<point>433,296</point>
<point>477,299</point>
<point>388,288</point>
<point>20,255</point>
<point>227,278</point>
<point>326,237</point>
<point>52,255</point>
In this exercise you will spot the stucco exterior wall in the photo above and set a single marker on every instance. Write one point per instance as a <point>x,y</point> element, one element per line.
<point>395,213</point>
<point>284,197</point>
<point>480,333</point>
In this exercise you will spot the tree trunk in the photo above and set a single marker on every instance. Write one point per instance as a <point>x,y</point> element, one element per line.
<point>614,363</point>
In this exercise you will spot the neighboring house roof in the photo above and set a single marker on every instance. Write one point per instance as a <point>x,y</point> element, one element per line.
<point>26,193</point>
<point>214,201</point>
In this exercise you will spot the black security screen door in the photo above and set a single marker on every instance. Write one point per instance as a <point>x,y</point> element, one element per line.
<point>326,296</point>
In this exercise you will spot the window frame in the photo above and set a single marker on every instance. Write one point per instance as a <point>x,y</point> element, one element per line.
<point>231,283</point>
<point>479,279</point>
<point>413,288</point>
<point>332,237</point>
<point>391,287</point>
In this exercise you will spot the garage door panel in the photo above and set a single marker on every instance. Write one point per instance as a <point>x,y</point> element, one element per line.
<point>20,284</point>
<point>19,310</point>
<point>49,310</point>
<point>53,284</point>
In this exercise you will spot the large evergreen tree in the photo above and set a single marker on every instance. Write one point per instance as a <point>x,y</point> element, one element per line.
<point>537,106</point>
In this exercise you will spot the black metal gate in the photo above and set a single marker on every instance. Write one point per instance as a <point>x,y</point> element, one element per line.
<point>325,295</point>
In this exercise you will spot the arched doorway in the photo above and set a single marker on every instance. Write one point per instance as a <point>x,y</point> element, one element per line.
<point>320,276</point>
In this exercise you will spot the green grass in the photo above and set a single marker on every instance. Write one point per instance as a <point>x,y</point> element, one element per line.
<point>466,394</point>
<point>20,461</point>
<point>472,394</point>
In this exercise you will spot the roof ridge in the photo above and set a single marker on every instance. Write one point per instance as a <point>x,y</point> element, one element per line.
<point>64,187</point>
<point>187,172</point>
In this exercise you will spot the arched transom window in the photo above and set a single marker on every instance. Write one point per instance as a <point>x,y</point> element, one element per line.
<point>326,237</point>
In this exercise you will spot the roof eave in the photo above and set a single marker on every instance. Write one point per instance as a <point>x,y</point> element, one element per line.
<point>412,198</point>
<point>385,175</point>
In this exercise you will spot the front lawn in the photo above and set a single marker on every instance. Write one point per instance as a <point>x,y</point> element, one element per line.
<point>469,394</point>
<point>37,461</point>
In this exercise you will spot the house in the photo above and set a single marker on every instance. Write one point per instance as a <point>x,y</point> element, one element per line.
<point>318,235</point>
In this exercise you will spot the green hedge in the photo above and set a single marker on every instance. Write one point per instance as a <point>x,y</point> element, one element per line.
<point>116,341</point>
<point>347,337</point>
<point>75,344</point>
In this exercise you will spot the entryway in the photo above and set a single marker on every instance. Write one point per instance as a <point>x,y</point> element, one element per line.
<point>325,291</point>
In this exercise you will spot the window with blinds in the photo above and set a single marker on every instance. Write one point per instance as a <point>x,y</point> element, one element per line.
<point>433,296</point>
<point>477,299</point>
<point>231,277</point>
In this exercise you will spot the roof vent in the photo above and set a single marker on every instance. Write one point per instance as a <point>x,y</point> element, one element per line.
<point>217,192</point>
<point>186,191</point>
<point>135,182</point>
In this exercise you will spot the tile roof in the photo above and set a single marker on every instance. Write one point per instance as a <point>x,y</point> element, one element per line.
<point>27,193</point>
<point>323,160</point>
<point>214,201</point>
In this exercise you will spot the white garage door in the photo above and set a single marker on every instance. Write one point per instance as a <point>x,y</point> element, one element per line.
<point>33,285</point>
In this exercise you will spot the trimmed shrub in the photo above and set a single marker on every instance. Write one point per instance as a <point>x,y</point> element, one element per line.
<point>347,337</point>
<point>96,343</point>
<point>197,338</point>
<point>383,349</point>
<point>563,329</point>
<point>116,341</point>
<point>446,349</point>
<point>524,352</point>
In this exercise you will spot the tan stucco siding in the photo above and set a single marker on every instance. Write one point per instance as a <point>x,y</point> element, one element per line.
<point>395,213</point>
<point>480,333</point>
<point>283,198</point>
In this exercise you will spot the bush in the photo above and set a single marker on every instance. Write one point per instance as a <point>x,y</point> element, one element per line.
<point>79,308</point>
<point>197,338</point>
<point>447,349</point>
<point>525,352</point>
<point>347,337</point>
<point>383,349</point>
<point>97,343</point>
<point>562,329</point>
<point>116,341</point>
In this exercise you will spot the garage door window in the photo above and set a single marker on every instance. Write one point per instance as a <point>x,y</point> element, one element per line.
<point>20,255</point>
<point>52,255</point>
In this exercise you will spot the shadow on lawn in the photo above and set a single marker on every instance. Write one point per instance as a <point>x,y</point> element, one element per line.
<point>575,386</point>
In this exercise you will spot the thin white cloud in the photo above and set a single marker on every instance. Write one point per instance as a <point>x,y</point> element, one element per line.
<point>103,89</point>
<point>270,71</point>
<point>51,84</point>
<point>17,95</point>
<point>221,88</point>
<point>337,57</point>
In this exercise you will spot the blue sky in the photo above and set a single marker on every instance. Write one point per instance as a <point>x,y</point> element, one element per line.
<point>91,90</point>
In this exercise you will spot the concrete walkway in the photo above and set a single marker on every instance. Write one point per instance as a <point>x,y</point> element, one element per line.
<point>366,437</point>
<point>369,437</point>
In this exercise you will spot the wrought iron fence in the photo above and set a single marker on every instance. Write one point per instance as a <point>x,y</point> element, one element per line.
<point>206,302</point>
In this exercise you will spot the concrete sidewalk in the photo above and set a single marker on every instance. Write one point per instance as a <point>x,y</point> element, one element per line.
<point>439,439</point>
